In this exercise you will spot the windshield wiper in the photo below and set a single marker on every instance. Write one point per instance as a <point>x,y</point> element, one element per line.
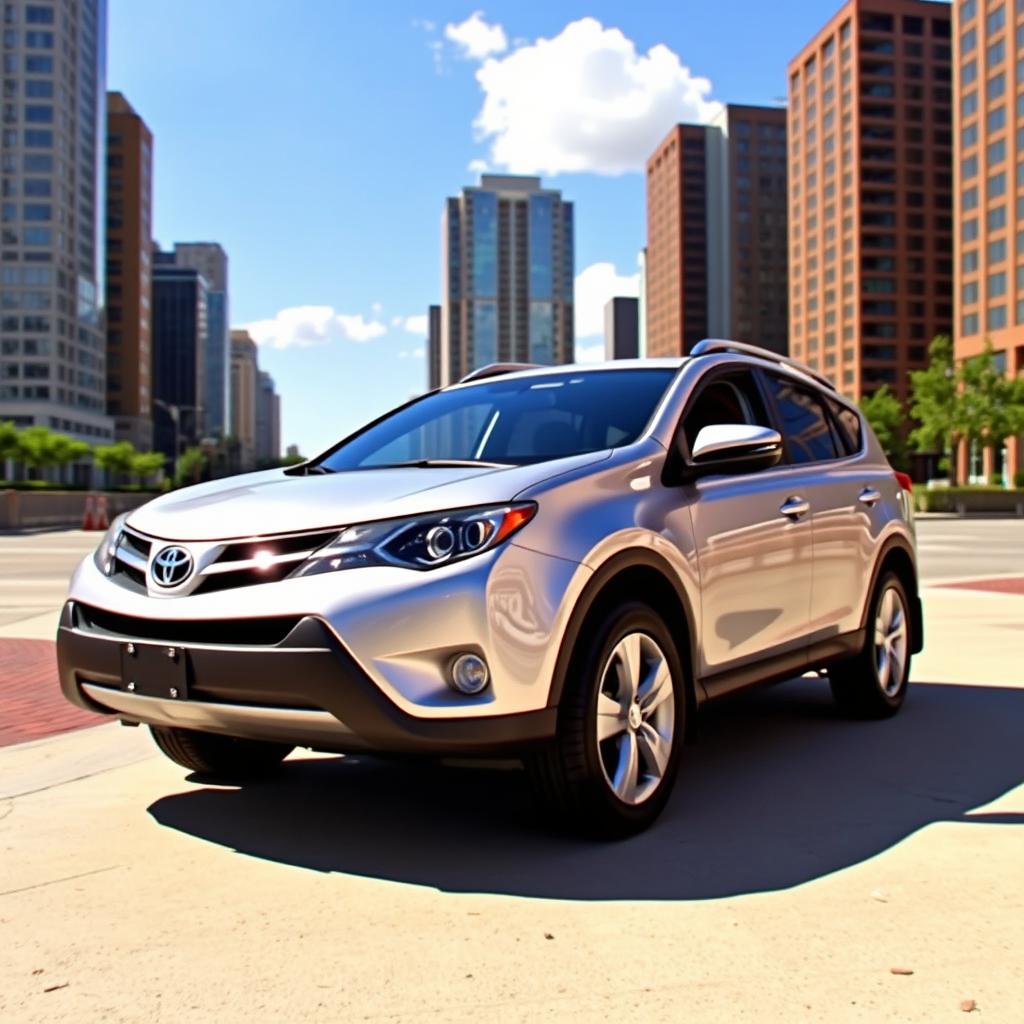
<point>440,464</point>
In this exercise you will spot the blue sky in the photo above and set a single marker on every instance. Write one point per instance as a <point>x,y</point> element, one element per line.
<point>316,140</point>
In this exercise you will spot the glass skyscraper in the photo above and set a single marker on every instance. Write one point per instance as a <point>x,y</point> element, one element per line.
<point>508,272</point>
<point>52,340</point>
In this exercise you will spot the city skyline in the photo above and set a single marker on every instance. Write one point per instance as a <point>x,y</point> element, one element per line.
<point>343,283</point>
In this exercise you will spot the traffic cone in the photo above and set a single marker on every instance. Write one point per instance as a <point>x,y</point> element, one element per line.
<point>102,522</point>
<point>88,522</point>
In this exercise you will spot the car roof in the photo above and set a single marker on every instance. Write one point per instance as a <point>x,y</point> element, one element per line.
<point>664,363</point>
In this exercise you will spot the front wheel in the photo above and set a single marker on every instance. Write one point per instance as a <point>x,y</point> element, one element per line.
<point>620,727</point>
<point>219,757</point>
<point>873,684</point>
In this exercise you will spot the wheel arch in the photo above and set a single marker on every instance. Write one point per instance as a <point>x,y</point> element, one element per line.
<point>897,556</point>
<point>636,574</point>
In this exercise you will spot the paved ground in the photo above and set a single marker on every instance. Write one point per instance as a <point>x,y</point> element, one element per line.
<point>802,859</point>
<point>950,548</point>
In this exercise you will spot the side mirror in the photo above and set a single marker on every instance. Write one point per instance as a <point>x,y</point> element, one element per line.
<point>732,448</point>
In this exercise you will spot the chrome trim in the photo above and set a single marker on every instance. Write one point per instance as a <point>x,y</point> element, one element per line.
<point>288,725</point>
<point>256,563</point>
<point>712,345</point>
<point>131,558</point>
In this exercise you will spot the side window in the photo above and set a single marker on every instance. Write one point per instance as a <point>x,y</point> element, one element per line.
<point>849,426</point>
<point>805,424</point>
<point>725,398</point>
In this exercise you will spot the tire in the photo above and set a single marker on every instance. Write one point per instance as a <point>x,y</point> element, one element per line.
<point>873,683</point>
<point>575,776</point>
<point>215,756</point>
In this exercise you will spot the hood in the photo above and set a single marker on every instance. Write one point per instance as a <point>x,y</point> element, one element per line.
<point>270,502</point>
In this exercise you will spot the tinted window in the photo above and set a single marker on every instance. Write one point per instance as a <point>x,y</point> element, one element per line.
<point>805,425</point>
<point>724,398</point>
<point>848,423</point>
<point>520,420</point>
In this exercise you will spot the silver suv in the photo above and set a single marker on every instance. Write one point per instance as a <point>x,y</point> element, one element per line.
<point>558,564</point>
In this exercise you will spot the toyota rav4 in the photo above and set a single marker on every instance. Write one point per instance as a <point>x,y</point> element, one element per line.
<point>556,564</point>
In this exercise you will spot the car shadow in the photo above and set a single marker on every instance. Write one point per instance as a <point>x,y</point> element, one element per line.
<point>775,791</point>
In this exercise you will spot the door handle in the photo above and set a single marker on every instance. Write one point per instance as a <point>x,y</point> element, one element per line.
<point>795,507</point>
<point>869,496</point>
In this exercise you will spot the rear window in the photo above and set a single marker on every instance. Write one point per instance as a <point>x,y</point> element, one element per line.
<point>515,421</point>
<point>805,424</point>
<point>848,422</point>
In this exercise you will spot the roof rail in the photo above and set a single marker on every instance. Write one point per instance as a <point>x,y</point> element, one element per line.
<point>712,345</point>
<point>496,370</point>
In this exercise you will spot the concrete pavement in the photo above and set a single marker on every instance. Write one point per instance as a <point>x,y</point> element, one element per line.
<point>802,858</point>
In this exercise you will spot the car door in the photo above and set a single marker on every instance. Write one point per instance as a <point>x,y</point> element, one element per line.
<point>819,436</point>
<point>753,538</point>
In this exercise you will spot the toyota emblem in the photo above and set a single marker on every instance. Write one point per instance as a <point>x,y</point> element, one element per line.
<point>171,567</point>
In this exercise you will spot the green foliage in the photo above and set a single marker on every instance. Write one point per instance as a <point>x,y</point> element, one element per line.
<point>969,499</point>
<point>1018,479</point>
<point>9,446</point>
<point>145,464</point>
<point>933,401</point>
<point>291,460</point>
<point>39,447</point>
<point>115,458</point>
<point>192,466</point>
<point>884,412</point>
<point>991,405</point>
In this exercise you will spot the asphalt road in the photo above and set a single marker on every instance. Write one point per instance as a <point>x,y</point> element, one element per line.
<point>969,548</point>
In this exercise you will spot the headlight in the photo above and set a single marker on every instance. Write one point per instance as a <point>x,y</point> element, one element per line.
<point>423,542</point>
<point>107,551</point>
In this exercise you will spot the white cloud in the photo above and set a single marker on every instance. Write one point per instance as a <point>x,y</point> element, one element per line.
<point>594,286</point>
<point>299,326</point>
<point>585,100</point>
<point>475,38</point>
<point>477,166</point>
<point>413,353</point>
<point>415,324</point>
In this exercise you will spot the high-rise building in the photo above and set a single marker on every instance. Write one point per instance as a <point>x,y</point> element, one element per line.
<point>989,237</point>
<point>870,202</point>
<point>210,259</point>
<point>621,328</point>
<point>508,277</point>
<point>433,347</point>
<point>268,421</point>
<point>715,262</point>
<point>641,326</point>
<point>129,273</point>
<point>244,383</point>
<point>54,126</point>
<point>179,334</point>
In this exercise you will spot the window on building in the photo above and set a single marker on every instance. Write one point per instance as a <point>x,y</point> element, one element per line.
<point>997,285</point>
<point>996,318</point>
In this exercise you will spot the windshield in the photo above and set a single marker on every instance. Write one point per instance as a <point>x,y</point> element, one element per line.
<point>511,421</point>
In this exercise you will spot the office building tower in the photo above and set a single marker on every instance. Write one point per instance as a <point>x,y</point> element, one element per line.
<point>715,262</point>
<point>268,421</point>
<point>211,261</point>
<point>989,221</point>
<point>129,273</point>
<point>870,193</point>
<point>244,378</point>
<point>52,157</point>
<point>641,325</point>
<point>508,277</point>
<point>179,335</point>
<point>621,333</point>
<point>433,347</point>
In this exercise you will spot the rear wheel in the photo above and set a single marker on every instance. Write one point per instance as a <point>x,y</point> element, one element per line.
<point>620,728</point>
<point>219,756</point>
<point>873,684</point>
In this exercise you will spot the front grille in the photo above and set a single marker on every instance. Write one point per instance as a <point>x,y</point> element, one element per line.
<point>263,632</point>
<point>242,563</point>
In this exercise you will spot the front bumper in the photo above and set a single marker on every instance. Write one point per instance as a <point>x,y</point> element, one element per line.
<point>304,688</point>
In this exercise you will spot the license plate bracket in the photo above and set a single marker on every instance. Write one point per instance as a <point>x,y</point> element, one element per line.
<point>155,670</point>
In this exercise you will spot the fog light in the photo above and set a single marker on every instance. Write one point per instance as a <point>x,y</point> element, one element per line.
<point>470,674</point>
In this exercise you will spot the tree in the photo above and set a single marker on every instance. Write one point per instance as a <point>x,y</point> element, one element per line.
<point>10,447</point>
<point>934,401</point>
<point>145,464</point>
<point>192,467</point>
<point>884,411</point>
<point>991,405</point>
<point>115,458</point>
<point>39,447</point>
